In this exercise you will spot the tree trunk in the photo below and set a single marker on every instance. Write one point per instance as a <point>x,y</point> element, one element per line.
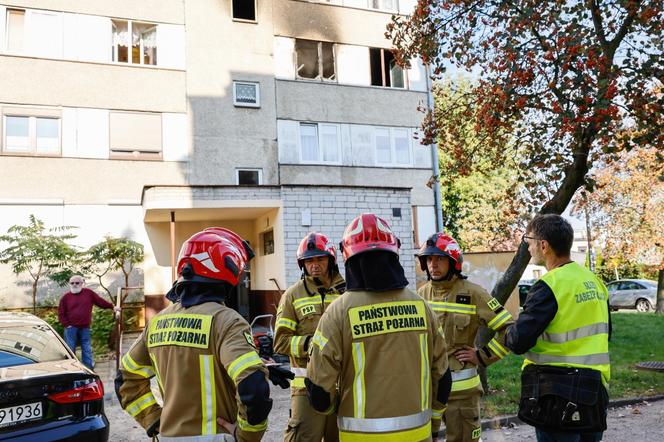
<point>34,296</point>
<point>660,292</point>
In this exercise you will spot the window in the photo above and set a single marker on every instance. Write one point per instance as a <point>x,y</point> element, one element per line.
<point>15,30</point>
<point>386,5</point>
<point>244,10</point>
<point>384,69</point>
<point>37,133</point>
<point>143,42</point>
<point>319,143</point>
<point>392,146</point>
<point>246,94</point>
<point>249,177</point>
<point>135,134</point>
<point>315,60</point>
<point>267,240</point>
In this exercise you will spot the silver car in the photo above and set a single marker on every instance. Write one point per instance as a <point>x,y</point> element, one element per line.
<point>640,294</point>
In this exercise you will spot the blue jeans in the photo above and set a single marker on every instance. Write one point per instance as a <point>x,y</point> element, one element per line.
<point>550,436</point>
<point>75,336</point>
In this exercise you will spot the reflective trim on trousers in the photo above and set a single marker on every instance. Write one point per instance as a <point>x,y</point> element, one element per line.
<point>466,384</point>
<point>384,424</point>
<point>598,328</point>
<point>222,437</point>
<point>421,433</point>
<point>594,359</point>
<point>299,371</point>
<point>464,374</point>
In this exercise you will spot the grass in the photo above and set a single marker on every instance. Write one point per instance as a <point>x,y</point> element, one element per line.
<point>637,337</point>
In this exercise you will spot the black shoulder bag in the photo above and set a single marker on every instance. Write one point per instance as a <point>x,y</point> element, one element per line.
<point>566,399</point>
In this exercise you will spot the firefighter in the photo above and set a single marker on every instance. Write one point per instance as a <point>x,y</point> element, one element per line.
<point>298,314</point>
<point>380,345</point>
<point>212,381</point>
<point>462,307</point>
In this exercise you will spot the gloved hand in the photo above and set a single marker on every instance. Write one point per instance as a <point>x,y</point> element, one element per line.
<point>280,376</point>
<point>153,429</point>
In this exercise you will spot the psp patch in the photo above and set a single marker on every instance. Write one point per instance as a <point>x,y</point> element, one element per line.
<point>250,339</point>
<point>494,304</point>
<point>477,432</point>
<point>308,310</point>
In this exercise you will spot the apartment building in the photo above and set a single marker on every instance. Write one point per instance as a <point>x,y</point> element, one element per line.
<point>155,119</point>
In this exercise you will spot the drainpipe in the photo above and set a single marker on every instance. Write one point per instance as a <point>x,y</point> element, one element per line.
<point>434,158</point>
<point>173,257</point>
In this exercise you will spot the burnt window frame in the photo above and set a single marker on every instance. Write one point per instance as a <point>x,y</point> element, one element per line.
<point>319,77</point>
<point>244,20</point>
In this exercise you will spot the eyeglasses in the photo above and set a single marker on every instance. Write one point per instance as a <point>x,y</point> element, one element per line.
<point>525,237</point>
<point>75,283</point>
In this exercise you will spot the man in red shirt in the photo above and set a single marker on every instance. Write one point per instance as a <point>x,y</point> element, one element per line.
<point>75,314</point>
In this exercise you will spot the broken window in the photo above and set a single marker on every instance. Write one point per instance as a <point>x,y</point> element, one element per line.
<point>384,69</point>
<point>244,10</point>
<point>315,60</point>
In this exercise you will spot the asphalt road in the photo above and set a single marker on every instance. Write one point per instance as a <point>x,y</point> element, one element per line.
<point>636,423</point>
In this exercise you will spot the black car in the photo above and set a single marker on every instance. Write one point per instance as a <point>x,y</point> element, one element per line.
<point>46,393</point>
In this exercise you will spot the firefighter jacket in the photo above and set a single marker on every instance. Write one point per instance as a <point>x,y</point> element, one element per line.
<point>203,358</point>
<point>462,307</point>
<point>565,321</point>
<point>387,354</point>
<point>299,311</point>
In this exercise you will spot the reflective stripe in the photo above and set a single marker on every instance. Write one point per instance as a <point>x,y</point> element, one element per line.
<point>295,345</point>
<point>140,404</point>
<point>466,384</point>
<point>319,339</point>
<point>497,349</point>
<point>581,332</point>
<point>421,433</point>
<point>287,323</point>
<point>330,298</point>
<point>500,319</point>
<point>595,359</point>
<point>297,383</point>
<point>464,374</point>
<point>208,395</point>
<point>311,300</point>
<point>242,363</point>
<point>246,426</point>
<point>425,386</point>
<point>156,372</point>
<point>384,424</point>
<point>438,414</point>
<point>453,307</point>
<point>131,366</point>
<point>358,382</point>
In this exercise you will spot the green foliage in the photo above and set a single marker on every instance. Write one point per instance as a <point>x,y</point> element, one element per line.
<point>113,254</point>
<point>38,251</point>
<point>52,318</point>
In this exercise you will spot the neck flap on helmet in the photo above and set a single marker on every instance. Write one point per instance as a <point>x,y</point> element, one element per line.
<point>375,271</point>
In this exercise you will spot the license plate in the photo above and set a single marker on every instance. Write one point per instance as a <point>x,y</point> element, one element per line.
<point>20,413</point>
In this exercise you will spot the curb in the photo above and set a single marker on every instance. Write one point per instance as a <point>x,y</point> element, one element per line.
<point>504,421</point>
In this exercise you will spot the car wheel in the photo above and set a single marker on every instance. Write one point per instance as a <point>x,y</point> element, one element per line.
<point>642,305</point>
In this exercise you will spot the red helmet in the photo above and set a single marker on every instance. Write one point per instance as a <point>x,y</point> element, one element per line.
<point>368,232</point>
<point>441,244</point>
<point>315,244</point>
<point>213,255</point>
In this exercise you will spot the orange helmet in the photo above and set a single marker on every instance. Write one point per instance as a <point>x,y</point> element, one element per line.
<point>315,244</point>
<point>368,232</point>
<point>441,244</point>
<point>213,255</point>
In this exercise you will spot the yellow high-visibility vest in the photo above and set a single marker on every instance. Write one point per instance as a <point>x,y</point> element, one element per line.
<point>578,336</point>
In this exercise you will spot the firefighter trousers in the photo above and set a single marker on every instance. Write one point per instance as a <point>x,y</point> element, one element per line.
<point>306,425</point>
<point>462,417</point>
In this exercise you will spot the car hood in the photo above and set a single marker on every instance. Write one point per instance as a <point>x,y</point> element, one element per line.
<point>29,371</point>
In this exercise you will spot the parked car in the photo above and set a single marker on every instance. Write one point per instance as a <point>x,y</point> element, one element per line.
<point>640,294</point>
<point>46,393</point>
<point>524,288</point>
